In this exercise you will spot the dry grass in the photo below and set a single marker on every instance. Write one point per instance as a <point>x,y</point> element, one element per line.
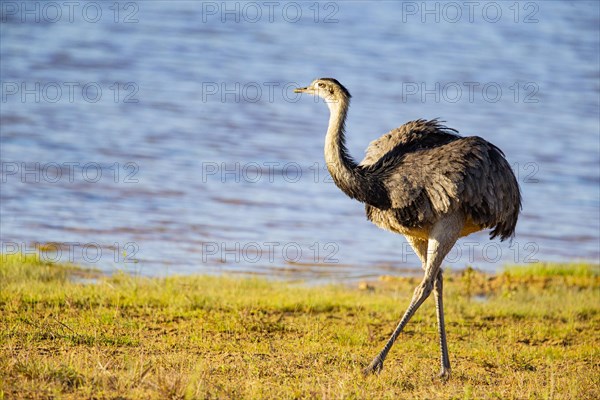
<point>514,335</point>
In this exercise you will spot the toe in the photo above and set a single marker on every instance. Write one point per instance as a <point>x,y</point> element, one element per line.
<point>375,367</point>
<point>444,374</point>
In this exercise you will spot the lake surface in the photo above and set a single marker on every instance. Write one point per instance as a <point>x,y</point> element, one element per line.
<point>164,137</point>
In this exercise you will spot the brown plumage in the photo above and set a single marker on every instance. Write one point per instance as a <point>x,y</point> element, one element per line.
<point>428,183</point>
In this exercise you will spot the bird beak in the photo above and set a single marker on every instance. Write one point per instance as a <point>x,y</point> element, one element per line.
<point>301,90</point>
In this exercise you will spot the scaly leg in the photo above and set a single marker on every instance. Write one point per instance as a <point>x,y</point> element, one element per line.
<point>439,306</point>
<point>442,237</point>
<point>420,247</point>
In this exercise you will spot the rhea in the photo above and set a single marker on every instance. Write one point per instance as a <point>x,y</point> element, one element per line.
<point>428,183</point>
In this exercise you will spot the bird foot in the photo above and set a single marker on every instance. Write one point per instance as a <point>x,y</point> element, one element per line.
<point>374,368</point>
<point>444,375</point>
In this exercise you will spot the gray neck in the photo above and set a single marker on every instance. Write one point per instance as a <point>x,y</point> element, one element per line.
<point>347,175</point>
<point>341,166</point>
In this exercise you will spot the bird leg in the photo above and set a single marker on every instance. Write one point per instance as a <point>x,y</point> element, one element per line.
<point>442,237</point>
<point>421,293</point>
<point>439,306</point>
<point>420,248</point>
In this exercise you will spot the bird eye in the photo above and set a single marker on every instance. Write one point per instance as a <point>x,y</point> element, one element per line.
<point>321,84</point>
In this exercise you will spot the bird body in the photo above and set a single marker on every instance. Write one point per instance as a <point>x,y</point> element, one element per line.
<point>436,172</point>
<point>424,181</point>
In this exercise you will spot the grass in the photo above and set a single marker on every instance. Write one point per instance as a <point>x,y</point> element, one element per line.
<point>527,333</point>
<point>577,269</point>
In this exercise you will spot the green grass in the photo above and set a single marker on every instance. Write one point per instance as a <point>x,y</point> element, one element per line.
<point>527,333</point>
<point>579,269</point>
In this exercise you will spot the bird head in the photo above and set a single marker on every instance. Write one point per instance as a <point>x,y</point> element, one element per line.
<point>328,89</point>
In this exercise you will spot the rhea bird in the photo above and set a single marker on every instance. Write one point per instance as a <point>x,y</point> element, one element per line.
<point>430,184</point>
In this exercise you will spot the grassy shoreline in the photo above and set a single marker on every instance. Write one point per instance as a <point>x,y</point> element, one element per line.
<point>530,332</point>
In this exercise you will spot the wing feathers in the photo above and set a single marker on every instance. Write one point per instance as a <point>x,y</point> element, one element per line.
<point>428,171</point>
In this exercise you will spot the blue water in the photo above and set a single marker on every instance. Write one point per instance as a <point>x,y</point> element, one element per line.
<point>183,149</point>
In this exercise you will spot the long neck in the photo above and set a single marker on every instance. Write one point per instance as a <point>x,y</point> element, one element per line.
<point>351,179</point>
<point>341,166</point>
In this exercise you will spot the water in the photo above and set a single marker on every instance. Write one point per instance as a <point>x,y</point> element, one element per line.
<point>196,157</point>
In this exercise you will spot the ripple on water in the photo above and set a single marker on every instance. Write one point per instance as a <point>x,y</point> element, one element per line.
<point>215,169</point>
